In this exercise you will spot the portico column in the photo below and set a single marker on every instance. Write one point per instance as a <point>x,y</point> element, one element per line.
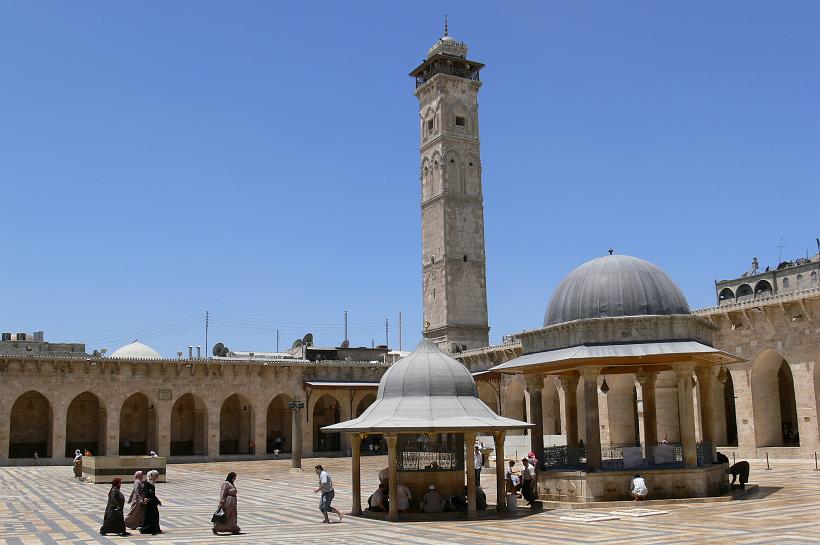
<point>707,404</point>
<point>214,414</point>
<point>593,423</point>
<point>650,412</point>
<point>392,464</point>
<point>686,414</point>
<point>5,429</point>
<point>500,469</point>
<point>58,423</point>
<point>356,448</point>
<point>112,430</point>
<point>260,432</point>
<point>163,426</point>
<point>469,441</point>
<point>535,385</point>
<point>569,384</point>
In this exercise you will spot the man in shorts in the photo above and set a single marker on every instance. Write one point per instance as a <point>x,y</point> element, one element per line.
<point>326,488</point>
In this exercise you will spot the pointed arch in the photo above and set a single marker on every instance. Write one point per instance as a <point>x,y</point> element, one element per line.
<point>138,424</point>
<point>236,418</point>
<point>773,401</point>
<point>31,422</point>
<point>189,426</point>
<point>326,411</point>
<point>85,425</point>
<point>279,431</point>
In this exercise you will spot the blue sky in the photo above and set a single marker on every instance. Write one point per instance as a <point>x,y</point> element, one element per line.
<point>260,160</point>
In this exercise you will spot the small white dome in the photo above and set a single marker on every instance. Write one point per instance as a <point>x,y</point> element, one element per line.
<point>447,39</point>
<point>136,351</point>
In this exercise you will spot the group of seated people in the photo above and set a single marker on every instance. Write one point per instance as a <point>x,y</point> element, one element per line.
<point>432,501</point>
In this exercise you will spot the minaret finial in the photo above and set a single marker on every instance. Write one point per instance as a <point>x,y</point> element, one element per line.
<point>445,25</point>
<point>611,251</point>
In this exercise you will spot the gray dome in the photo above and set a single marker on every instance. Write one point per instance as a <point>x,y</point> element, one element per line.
<point>615,285</point>
<point>427,371</point>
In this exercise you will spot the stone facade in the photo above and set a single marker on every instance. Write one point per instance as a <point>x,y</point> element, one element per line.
<point>178,408</point>
<point>452,207</point>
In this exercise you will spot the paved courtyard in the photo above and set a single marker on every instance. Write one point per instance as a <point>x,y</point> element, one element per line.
<point>277,505</point>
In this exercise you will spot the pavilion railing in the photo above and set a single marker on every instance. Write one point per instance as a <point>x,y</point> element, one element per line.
<point>626,456</point>
<point>430,452</point>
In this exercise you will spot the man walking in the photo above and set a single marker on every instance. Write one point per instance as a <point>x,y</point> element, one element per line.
<point>528,482</point>
<point>478,461</point>
<point>326,488</point>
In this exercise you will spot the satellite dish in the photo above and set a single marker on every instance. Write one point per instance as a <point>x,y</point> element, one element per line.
<point>345,344</point>
<point>297,343</point>
<point>308,339</point>
<point>220,350</point>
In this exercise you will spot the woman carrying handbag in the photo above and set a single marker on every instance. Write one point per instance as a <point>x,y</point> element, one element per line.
<point>225,517</point>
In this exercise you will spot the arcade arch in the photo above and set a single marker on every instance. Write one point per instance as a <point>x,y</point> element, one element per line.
<point>31,422</point>
<point>279,430</point>
<point>236,426</point>
<point>515,404</point>
<point>85,425</point>
<point>138,424</point>
<point>773,401</point>
<point>189,427</point>
<point>326,411</point>
<point>365,402</point>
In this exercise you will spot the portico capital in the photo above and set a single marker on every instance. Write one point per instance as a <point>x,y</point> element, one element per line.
<point>590,372</point>
<point>568,382</point>
<point>534,382</point>
<point>683,369</point>
<point>646,378</point>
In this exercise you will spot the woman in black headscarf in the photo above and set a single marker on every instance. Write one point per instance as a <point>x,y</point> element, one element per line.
<point>152,503</point>
<point>113,523</point>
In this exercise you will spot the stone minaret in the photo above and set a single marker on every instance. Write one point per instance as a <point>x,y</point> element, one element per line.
<point>452,207</point>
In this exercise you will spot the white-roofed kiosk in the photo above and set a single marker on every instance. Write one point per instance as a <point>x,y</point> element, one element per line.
<point>428,410</point>
<point>622,318</point>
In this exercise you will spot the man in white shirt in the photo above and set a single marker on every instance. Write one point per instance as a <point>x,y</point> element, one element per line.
<point>404,496</point>
<point>528,481</point>
<point>432,501</point>
<point>326,488</point>
<point>638,488</point>
<point>478,461</point>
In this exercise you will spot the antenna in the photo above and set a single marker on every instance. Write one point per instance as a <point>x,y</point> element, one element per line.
<point>445,25</point>
<point>386,332</point>
<point>277,340</point>
<point>780,252</point>
<point>346,339</point>
<point>206,332</point>
<point>399,331</point>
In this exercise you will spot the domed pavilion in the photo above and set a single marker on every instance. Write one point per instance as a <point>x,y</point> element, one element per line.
<point>620,315</point>
<point>427,408</point>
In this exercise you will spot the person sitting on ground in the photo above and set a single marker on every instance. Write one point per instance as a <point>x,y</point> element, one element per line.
<point>378,501</point>
<point>384,475</point>
<point>638,488</point>
<point>512,480</point>
<point>480,499</point>
<point>432,502</point>
<point>403,497</point>
<point>740,469</point>
<point>458,503</point>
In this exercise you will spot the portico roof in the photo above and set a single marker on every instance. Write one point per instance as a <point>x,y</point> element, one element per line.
<point>626,354</point>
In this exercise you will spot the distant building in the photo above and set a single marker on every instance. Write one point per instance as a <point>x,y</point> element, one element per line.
<point>33,344</point>
<point>789,277</point>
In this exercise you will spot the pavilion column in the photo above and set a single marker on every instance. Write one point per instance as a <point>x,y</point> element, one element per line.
<point>392,464</point>
<point>686,414</point>
<point>593,423</point>
<point>570,386</point>
<point>707,404</point>
<point>356,448</point>
<point>469,441</point>
<point>647,381</point>
<point>296,441</point>
<point>500,470</point>
<point>535,385</point>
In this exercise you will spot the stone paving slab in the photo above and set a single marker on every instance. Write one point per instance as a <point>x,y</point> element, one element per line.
<point>45,505</point>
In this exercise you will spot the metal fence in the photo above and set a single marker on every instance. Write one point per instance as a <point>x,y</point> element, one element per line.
<point>626,456</point>
<point>433,452</point>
